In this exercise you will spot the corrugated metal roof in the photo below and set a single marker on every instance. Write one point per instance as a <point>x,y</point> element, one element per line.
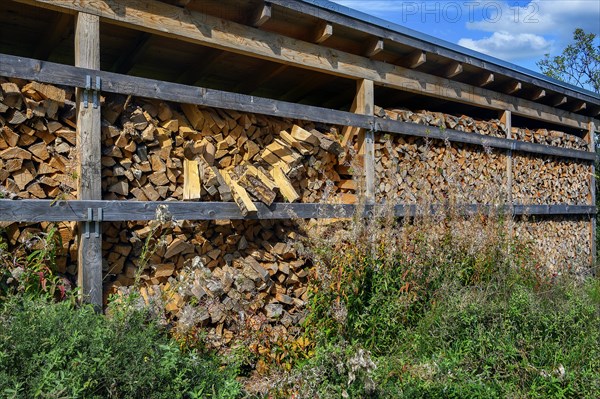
<point>402,30</point>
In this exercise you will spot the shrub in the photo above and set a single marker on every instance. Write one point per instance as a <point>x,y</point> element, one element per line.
<point>447,307</point>
<point>54,350</point>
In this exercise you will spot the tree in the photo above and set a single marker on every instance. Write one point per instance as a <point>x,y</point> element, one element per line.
<point>579,63</point>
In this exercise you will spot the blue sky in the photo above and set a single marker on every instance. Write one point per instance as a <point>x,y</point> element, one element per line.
<point>520,32</point>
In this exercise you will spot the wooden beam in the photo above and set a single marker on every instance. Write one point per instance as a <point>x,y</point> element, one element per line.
<point>537,94</point>
<point>485,79</point>
<point>262,15</point>
<point>559,100</point>
<point>414,59</point>
<point>591,139</point>
<point>453,69</point>
<point>323,32</point>
<point>374,47</point>
<point>506,119</point>
<point>171,21</point>
<point>48,72</point>
<point>361,105</point>
<point>60,28</point>
<point>127,210</point>
<point>512,87</point>
<point>365,104</point>
<point>87,55</point>
<point>579,106</point>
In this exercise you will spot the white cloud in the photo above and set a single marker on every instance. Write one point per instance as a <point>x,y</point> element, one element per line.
<point>540,17</point>
<point>509,46</point>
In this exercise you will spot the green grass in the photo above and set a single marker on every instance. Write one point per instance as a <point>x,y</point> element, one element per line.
<point>54,350</point>
<point>452,314</point>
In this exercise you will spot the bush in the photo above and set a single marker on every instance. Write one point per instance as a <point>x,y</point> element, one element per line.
<point>54,350</point>
<point>446,307</point>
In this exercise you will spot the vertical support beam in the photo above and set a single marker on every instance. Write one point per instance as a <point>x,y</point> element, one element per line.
<point>591,139</point>
<point>87,55</point>
<point>506,119</point>
<point>365,103</point>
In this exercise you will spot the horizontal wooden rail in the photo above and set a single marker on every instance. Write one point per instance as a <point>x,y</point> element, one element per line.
<point>47,72</point>
<point>113,211</point>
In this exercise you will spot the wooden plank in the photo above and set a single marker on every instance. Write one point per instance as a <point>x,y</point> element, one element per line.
<point>452,70</point>
<point>25,68</point>
<point>87,55</point>
<point>591,139</point>
<point>170,21</point>
<point>512,87</point>
<point>415,59</point>
<point>485,79</point>
<point>506,119</point>
<point>365,104</point>
<point>54,211</point>
<point>579,106</point>
<point>538,94</point>
<point>374,47</point>
<point>262,15</point>
<point>285,186</point>
<point>323,32</point>
<point>191,180</point>
<point>559,100</point>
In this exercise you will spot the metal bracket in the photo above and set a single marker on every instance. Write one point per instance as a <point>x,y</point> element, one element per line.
<point>94,91</point>
<point>93,226</point>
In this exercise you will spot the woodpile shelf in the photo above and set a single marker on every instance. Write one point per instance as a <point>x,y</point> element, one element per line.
<point>225,183</point>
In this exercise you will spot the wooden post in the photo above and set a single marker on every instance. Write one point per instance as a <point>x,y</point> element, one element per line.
<point>591,139</point>
<point>87,55</point>
<point>506,119</point>
<point>363,104</point>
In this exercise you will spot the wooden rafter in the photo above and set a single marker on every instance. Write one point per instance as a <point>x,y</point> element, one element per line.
<point>263,14</point>
<point>559,100</point>
<point>374,47</point>
<point>323,31</point>
<point>453,69</point>
<point>485,79</point>
<point>537,94</point>
<point>512,87</point>
<point>414,59</point>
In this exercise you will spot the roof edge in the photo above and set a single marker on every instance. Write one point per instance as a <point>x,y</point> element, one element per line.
<point>411,33</point>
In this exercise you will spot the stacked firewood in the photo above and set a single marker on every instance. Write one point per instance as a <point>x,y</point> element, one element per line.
<point>155,151</point>
<point>493,127</point>
<point>232,271</point>
<point>461,123</point>
<point>560,243</point>
<point>229,275</point>
<point>37,141</point>
<point>550,180</point>
<point>416,170</point>
<point>552,137</point>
